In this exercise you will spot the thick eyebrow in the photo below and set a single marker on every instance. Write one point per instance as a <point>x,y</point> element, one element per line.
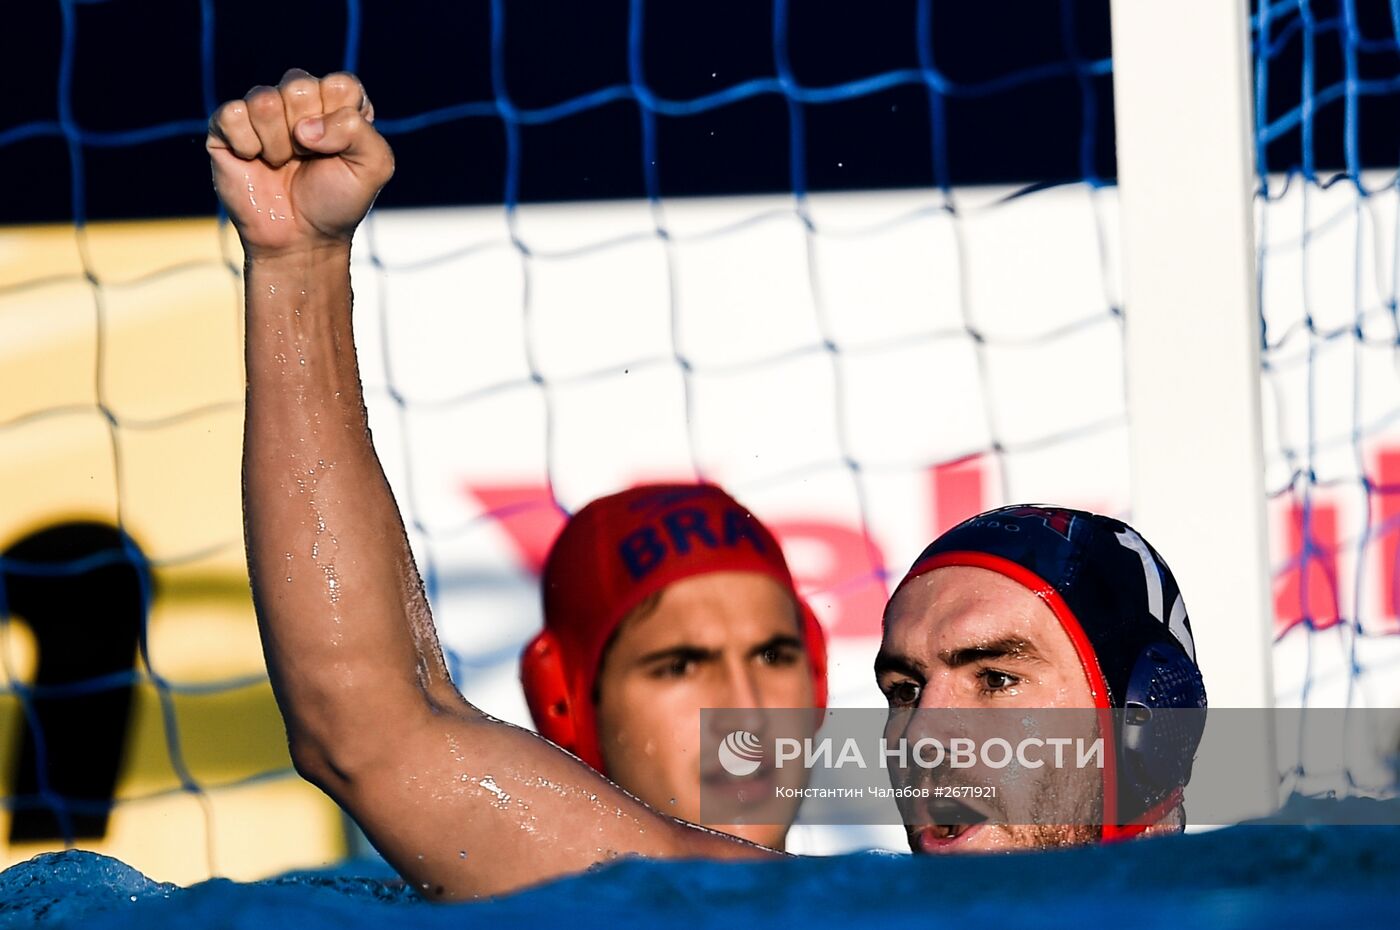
<point>893,662</point>
<point>1011,647</point>
<point>701,654</point>
<point>687,653</point>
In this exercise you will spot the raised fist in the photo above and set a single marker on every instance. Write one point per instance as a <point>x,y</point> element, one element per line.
<point>298,165</point>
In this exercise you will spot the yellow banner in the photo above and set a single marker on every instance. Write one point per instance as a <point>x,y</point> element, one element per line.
<point>121,391</point>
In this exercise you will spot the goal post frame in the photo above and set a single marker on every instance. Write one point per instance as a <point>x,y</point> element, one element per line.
<point>1186,183</point>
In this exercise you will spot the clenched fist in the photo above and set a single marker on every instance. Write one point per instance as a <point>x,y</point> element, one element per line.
<point>298,165</point>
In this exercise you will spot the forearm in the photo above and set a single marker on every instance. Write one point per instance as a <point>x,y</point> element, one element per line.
<point>345,626</point>
<point>474,806</point>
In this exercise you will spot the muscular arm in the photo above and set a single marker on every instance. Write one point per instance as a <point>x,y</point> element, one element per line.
<point>460,803</point>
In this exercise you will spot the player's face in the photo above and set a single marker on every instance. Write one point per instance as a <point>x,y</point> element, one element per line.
<point>961,637</point>
<point>727,639</point>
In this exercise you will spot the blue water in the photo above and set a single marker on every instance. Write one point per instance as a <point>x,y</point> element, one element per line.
<point>1247,876</point>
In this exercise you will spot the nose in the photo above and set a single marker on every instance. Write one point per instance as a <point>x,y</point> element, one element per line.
<point>744,690</point>
<point>938,716</point>
<point>738,691</point>
<point>941,692</point>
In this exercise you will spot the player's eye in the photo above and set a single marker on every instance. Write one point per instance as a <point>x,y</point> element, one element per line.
<point>779,655</point>
<point>903,693</point>
<point>674,667</point>
<point>994,681</point>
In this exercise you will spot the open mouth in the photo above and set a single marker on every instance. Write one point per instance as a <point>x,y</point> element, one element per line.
<point>953,824</point>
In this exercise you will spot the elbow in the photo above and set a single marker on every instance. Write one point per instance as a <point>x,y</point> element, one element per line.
<point>338,754</point>
<point>341,768</point>
<point>316,762</point>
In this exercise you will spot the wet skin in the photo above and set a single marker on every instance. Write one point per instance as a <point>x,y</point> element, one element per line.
<point>460,803</point>
<point>968,638</point>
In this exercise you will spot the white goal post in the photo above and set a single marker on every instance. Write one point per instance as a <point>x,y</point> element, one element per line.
<point>1182,100</point>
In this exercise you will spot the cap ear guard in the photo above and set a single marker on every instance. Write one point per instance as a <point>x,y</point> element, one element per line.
<point>547,692</point>
<point>1159,748</point>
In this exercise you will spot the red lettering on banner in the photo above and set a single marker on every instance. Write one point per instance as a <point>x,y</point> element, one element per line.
<point>528,515</point>
<point>844,585</point>
<point>1386,491</point>
<point>1306,590</point>
<point>959,492</point>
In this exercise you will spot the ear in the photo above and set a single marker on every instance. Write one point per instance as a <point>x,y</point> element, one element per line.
<point>546,691</point>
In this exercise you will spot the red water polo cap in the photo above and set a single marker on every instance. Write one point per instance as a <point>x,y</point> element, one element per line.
<point>611,556</point>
